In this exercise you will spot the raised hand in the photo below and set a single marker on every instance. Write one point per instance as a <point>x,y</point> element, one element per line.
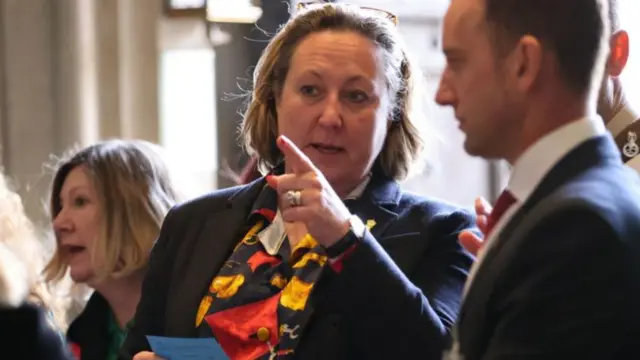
<point>305,196</point>
<point>470,240</point>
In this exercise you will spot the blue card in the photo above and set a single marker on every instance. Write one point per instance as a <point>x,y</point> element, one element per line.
<point>186,348</point>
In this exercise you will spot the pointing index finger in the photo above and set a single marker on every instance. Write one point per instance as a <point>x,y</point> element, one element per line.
<point>298,161</point>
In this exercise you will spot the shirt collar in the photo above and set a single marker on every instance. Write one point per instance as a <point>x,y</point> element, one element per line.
<point>273,235</point>
<point>357,192</point>
<point>529,170</point>
<point>621,120</point>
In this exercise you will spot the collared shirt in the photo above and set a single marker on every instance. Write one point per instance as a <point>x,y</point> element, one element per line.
<point>534,164</point>
<point>273,235</point>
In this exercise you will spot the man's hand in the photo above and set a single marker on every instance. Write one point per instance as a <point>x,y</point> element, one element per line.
<point>468,239</point>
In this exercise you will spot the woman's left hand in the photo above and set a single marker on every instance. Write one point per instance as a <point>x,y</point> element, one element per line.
<point>320,209</point>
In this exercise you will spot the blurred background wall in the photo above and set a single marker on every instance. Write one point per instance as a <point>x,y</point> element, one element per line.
<point>75,71</point>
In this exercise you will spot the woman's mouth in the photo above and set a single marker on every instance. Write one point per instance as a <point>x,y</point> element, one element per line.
<point>326,148</point>
<point>75,249</point>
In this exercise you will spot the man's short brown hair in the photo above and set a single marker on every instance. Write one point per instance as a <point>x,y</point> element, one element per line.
<point>576,31</point>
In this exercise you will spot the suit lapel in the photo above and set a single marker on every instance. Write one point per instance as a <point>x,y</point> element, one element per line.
<point>375,205</point>
<point>90,330</point>
<point>212,247</point>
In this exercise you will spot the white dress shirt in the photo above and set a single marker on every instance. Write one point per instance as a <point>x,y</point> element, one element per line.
<point>529,170</point>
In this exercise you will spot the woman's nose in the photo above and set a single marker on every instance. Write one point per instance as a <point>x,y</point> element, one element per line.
<point>331,113</point>
<point>61,221</point>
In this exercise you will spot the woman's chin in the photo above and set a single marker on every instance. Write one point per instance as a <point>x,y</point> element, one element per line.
<point>79,275</point>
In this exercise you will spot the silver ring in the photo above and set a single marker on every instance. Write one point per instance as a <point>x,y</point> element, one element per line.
<point>293,197</point>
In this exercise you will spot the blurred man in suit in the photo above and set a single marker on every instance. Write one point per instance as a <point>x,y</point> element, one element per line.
<point>558,276</point>
<point>613,106</point>
<point>619,117</point>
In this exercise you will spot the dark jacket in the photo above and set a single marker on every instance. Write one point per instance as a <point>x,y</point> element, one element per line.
<point>396,298</point>
<point>563,279</point>
<point>89,333</point>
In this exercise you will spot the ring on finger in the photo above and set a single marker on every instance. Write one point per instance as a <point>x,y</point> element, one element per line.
<point>293,197</point>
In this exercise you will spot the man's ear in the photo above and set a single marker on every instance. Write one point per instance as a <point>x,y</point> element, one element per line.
<point>526,62</point>
<point>619,53</point>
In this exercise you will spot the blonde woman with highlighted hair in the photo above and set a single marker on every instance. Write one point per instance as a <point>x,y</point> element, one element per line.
<point>17,232</point>
<point>107,205</point>
<point>25,326</point>
<point>24,258</point>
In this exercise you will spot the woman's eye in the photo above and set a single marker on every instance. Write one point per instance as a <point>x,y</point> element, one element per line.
<point>79,201</point>
<point>357,96</point>
<point>309,90</point>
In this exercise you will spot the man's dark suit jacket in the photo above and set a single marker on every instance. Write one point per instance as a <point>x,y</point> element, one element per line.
<point>563,279</point>
<point>397,296</point>
<point>26,335</point>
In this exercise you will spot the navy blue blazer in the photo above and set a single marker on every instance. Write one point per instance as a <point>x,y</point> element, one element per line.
<point>397,296</point>
<point>563,279</point>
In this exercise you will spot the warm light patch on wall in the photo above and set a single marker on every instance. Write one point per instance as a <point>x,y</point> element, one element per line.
<point>232,11</point>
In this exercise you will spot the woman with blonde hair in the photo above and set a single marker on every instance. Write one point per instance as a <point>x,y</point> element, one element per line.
<point>19,235</point>
<point>25,327</point>
<point>325,257</point>
<point>32,315</point>
<point>107,204</point>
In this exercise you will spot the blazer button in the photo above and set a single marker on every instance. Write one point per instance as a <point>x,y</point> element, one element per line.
<point>263,334</point>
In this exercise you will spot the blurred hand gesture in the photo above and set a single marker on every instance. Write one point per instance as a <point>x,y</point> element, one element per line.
<point>467,238</point>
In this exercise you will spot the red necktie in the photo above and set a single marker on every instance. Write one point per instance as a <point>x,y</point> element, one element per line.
<point>505,200</point>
